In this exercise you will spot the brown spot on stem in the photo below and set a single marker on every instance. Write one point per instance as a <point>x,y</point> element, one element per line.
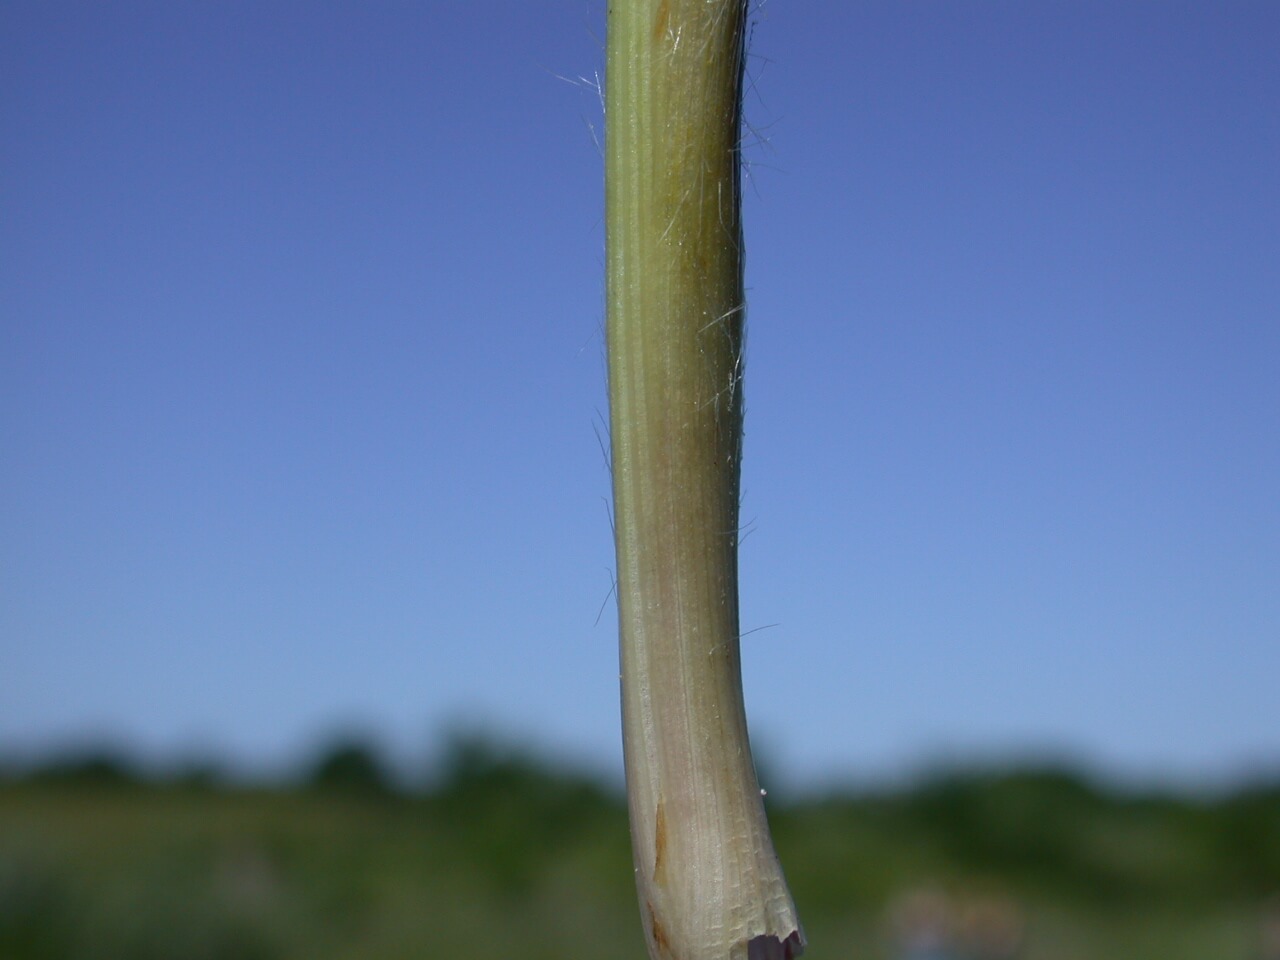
<point>660,845</point>
<point>663,20</point>
<point>659,935</point>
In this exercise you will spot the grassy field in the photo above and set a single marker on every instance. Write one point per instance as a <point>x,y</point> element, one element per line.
<point>505,858</point>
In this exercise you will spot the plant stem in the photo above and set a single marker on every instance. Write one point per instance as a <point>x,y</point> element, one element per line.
<point>709,882</point>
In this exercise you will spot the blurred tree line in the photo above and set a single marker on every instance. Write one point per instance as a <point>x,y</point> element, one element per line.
<point>503,854</point>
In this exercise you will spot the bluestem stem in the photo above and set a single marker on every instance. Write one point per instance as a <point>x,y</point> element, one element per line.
<point>709,881</point>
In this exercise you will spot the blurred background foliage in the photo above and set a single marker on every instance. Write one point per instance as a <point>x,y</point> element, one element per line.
<point>500,853</point>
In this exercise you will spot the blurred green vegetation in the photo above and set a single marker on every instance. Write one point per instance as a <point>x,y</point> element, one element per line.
<point>507,856</point>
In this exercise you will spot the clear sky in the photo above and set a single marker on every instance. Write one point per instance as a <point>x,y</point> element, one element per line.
<point>301,376</point>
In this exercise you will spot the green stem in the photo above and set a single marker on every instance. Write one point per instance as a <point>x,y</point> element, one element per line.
<point>709,881</point>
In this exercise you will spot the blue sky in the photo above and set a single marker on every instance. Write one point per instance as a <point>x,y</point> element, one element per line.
<point>301,373</point>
